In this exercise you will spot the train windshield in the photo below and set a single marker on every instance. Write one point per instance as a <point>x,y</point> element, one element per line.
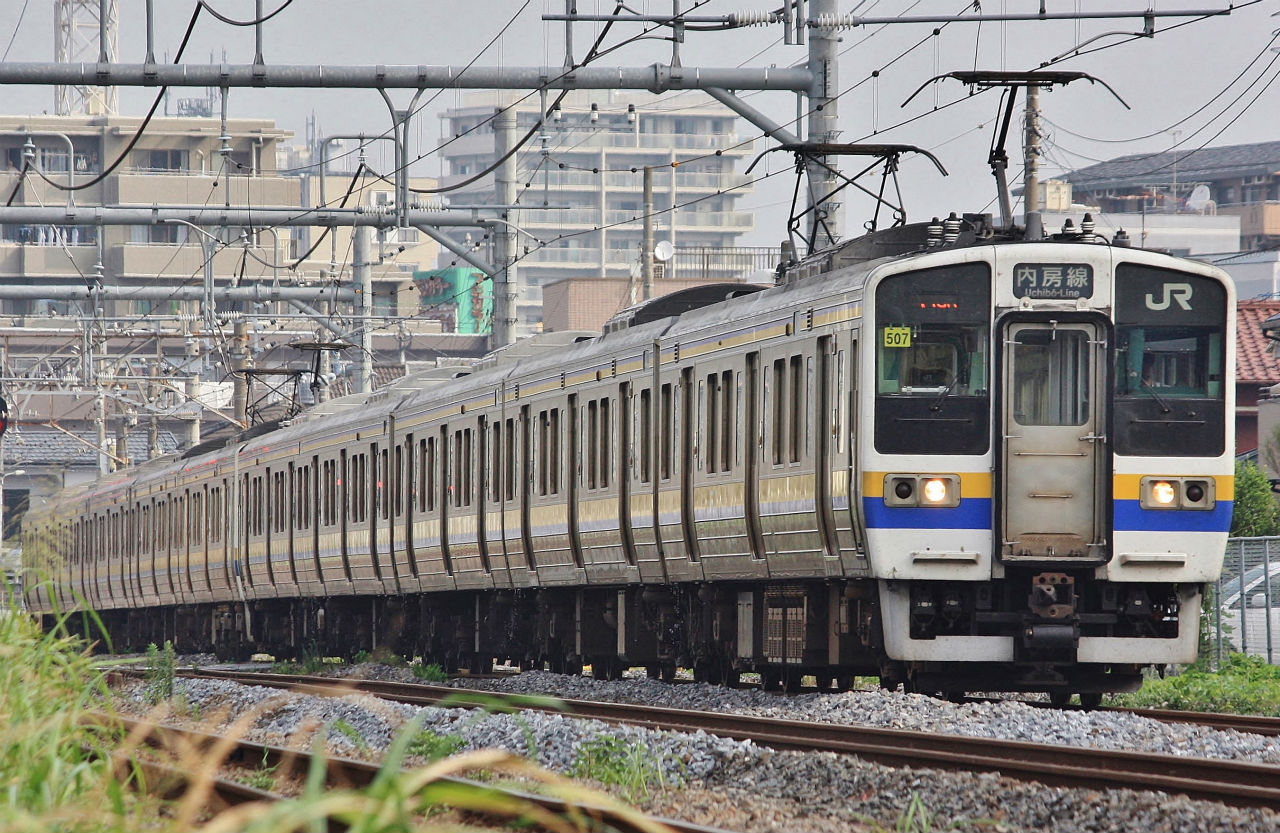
<point>933,336</point>
<point>1169,363</point>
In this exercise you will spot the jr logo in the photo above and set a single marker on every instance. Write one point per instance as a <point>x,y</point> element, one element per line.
<point>1180,292</point>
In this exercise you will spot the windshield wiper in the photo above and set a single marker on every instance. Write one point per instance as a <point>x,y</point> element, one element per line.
<point>1151,391</point>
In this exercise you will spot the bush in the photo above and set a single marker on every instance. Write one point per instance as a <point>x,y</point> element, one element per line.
<point>1244,685</point>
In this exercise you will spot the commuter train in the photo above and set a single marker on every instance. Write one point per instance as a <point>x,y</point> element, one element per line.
<point>938,454</point>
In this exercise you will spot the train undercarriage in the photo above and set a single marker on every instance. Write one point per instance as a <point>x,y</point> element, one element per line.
<point>832,631</point>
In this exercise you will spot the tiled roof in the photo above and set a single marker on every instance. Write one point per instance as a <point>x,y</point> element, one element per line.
<point>1203,165</point>
<point>1254,362</point>
<point>27,446</point>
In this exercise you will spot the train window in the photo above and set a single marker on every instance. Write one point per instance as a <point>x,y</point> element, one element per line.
<point>495,462</point>
<point>798,416</point>
<point>197,518</point>
<point>397,481</point>
<point>429,483</point>
<point>1051,377</point>
<point>162,525</point>
<point>932,361</point>
<point>541,459</point>
<point>666,455</point>
<point>842,413</point>
<point>468,465</point>
<point>553,453</point>
<point>646,434</point>
<point>180,523</point>
<point>593,442</point>
<point>358,481</point>
<point>509,460</point>
<point>282,499</point>
<point>606,438</point>
<point>777,389</point>
<point>727,425</point>
<point>708,403</point>
<point>1169,363</point>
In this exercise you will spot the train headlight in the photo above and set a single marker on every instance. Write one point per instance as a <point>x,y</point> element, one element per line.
<point>934,491</point>
<point>1178,493</point>
<point>1164,493</point>
<point>931,490</point>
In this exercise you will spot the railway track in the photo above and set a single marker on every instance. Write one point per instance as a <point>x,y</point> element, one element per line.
<point>1235,783</point>
<point>346,772</point>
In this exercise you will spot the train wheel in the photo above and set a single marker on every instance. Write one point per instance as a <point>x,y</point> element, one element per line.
<point>1059,699</point>
<point>1091,699</point>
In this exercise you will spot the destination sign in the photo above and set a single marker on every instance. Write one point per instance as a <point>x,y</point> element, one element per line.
<point>1048,281</point>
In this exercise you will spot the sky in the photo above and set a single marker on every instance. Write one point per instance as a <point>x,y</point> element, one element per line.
<point>1209,82</point>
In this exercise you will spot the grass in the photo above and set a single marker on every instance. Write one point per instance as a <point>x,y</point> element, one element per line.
<point>161,669</point>
<point>631,767</point>
<point>430,673</point>
<point>434,746</point>
<point>60,772</point>
<point>1244,684</point>
<point>307,664</point>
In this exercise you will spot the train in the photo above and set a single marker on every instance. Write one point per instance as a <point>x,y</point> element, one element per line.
<point>940,454</point>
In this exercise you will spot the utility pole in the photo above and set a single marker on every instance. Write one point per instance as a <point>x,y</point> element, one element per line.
<point>1031,166</point>
<point>827,217</point>
<point>362,272</point>
<point>505,290</point>
<point>647,243</point>
<point>241,360</point>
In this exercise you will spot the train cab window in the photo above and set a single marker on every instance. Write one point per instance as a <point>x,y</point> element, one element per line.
<point>1169,363</point>
<point>933,334</point>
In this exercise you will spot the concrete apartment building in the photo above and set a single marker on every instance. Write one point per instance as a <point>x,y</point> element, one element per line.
<point>587,168</point>
<point>165,381</point>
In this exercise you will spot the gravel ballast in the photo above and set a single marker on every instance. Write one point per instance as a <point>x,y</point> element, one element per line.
<point>740,786</point>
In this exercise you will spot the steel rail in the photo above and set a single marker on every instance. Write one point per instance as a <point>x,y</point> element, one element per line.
<point>351,773</point>
<point>1231,782</point>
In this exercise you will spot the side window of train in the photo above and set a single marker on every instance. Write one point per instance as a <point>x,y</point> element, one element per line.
<point>509,459</point>
<point>666,455</point>
<point>397,485</point>
<point>599,439</point>
<point>646,434</point>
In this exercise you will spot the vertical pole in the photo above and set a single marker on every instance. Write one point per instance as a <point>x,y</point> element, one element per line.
<point>193,391</point>
<point>646,255</point>
<point>505,290</point>
<point>1031,166</point>
<point>1266,591</point>
<point>362,270</point>
<point>241,359</point>
<point>257,34</point>
<point>1244,627</point>
<point>826,218</point>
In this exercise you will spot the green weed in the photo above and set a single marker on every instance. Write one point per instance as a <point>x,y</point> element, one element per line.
<point>630,766</point>
<point>433,746</point>
<point>161,668</point>
<point>264,778</point>
<point>432,673</point>
<point>1244,684</point>
<point>350,732</point>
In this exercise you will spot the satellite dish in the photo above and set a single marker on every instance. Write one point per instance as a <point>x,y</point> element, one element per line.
<point>663,251</point>
<point>1199,198</point>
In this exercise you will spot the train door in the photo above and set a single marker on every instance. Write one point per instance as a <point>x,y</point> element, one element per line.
<point>1053,420</point>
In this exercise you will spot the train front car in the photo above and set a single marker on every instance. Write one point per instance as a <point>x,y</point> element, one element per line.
<point>1047,466</point>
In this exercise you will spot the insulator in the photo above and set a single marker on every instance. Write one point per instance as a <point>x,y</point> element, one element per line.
<point>1086,225</point>
<point>933,234</point>
<point>951,229</point>
<point>1068,228</point>
<point>835,21</point>
<point>754,18</point>
<point>1120,238</point>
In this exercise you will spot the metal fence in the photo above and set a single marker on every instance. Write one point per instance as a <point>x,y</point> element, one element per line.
<point>1243,608</point>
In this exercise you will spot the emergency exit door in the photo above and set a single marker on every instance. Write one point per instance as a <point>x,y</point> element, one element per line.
<point>1053,436</point>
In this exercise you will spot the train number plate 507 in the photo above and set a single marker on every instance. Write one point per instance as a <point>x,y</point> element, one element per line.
<point>897,336</point>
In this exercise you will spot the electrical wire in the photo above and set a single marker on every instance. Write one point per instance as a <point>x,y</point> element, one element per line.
<point>128,148</point>
<point>16,28</point>
<point>233,22</point>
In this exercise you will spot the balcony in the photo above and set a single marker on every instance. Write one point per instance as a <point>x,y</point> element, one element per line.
<point>185,188</point>
<point>19,261</point>
<point>162,260</point>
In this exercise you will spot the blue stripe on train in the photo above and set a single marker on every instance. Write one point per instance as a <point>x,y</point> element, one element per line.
<point>972,513</point>
<point>1131,517</point>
